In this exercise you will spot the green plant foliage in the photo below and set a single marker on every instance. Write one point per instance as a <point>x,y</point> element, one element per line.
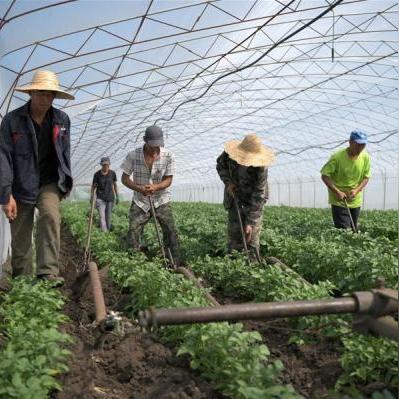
<point>330,260</point>
<point>234,360</point>
<point>32,355</point>
<point>367,359</point>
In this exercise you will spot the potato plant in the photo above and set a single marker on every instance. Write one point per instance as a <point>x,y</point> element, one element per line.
<point>331,260</point>
<point>234,360</point>
<point>33,352</point>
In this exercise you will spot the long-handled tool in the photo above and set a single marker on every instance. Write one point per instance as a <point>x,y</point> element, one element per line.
<point>154,217</point>
<point>350,216</point>
<point>87,252</point>
<point>178,269</point>
<point>244,240</point>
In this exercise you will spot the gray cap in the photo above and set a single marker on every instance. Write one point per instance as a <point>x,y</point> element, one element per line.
<point>105,161</point>
<point>154,136</point>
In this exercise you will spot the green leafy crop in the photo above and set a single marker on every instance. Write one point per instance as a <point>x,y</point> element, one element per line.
<point>329,259</point>
<point>32,356</point>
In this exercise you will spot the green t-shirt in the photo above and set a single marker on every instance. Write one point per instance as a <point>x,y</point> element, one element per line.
<point>346,175</point>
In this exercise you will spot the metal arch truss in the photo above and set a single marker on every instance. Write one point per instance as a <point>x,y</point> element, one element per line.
<point>320,69</point>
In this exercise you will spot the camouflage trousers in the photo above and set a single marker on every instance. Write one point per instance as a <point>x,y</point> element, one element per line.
<point>234,236</point>
<point>138,219</point>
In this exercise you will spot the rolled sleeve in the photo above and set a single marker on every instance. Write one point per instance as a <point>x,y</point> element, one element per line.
<point>127,165</point>
<point>329,168</point>
<point>170,166</point>
<point>367,168</point>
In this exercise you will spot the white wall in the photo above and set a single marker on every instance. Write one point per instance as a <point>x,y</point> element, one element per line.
<point>380,193</point>
<point>5,239</point>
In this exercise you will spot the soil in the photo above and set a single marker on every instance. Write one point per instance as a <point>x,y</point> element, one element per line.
<point>138,366</point>
<point>113,366</point>
<point>311,369</point>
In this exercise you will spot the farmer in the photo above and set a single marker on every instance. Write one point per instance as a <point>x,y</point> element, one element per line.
<point>104,182</point>
<point>346,174</point>
<point>243,169</point>
<point>148,171</point>
<point>35,172</point>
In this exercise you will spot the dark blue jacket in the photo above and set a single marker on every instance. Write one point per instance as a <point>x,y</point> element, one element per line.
<point>19,161</point>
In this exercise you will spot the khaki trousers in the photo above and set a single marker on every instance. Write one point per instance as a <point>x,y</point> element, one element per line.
<point>47,237</point>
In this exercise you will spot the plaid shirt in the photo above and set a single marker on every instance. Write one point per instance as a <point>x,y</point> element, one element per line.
<point>134,164</point>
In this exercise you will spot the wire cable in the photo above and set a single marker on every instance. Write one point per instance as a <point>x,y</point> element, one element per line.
<point>284,39</point>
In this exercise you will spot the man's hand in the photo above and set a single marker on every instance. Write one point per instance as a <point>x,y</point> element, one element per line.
<point>10,209</point>
<point>116,199</point>
<point>341,195</point>
<point>352,193</point>
<point>139,189</point>
<point>231,189</point>
<point>248,233</point>
<point>149,189</point>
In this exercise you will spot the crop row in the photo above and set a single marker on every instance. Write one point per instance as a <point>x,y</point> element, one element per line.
<point>32,352</point>
<point>337,260</point>
<point>316,251</point>
<point>236,361</point>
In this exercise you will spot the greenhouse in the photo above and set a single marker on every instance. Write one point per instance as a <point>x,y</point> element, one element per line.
<point>256,141</point>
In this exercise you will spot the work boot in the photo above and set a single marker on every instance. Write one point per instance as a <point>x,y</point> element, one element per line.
<point>5,276</point>
<point>5,284</point>
<point>57,280</point>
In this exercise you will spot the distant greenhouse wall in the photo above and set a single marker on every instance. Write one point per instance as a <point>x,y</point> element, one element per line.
<point>381,193</point>
<point>5,239</point>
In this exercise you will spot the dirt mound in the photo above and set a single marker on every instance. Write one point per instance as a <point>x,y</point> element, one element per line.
<point>312,369</point>
<point>110,366</point>
<point>138,366</point>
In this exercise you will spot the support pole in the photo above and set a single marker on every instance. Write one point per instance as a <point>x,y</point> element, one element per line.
<point>372,309</point>
<point>246,311</point>
<point>99,304</point>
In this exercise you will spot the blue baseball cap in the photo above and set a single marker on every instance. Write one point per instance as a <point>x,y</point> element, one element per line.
<point>358,137</point>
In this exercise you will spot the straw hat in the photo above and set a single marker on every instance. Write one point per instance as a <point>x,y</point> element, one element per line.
<point>45,80</point>
<point>250,151</point>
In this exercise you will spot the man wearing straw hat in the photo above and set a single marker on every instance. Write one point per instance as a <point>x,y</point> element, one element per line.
<point>243,169</point>
<point>35,172</point>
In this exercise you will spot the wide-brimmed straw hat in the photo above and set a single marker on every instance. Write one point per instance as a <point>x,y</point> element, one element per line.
<point>45,80</point>
<point>250,151</point>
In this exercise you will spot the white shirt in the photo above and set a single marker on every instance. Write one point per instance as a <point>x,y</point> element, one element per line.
<point>134,164</point>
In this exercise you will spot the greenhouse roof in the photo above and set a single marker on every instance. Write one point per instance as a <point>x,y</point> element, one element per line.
<point>301,74</point>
